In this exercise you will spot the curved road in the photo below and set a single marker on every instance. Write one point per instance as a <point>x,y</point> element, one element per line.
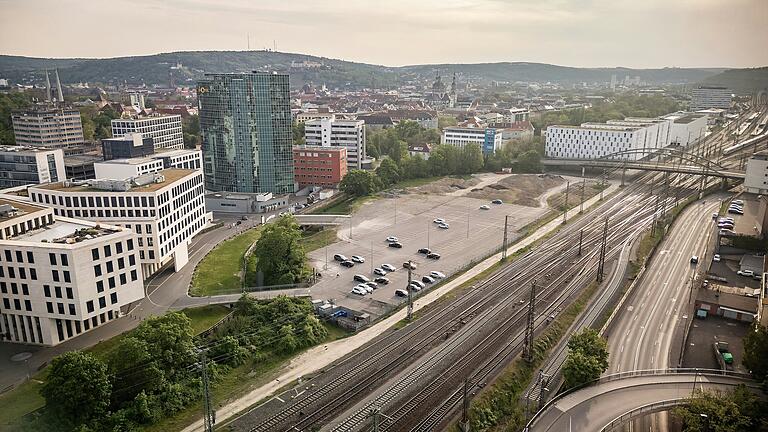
<point>592,408</point>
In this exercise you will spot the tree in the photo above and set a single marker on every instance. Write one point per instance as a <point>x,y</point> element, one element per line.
<point>169,342</point>
<point>191,131</point>
<point>756,351</point>
<point>471,159</point>
<point>358,183</point>
<point>388,172</point>
<point>529,162</point>
<point>133,371</point>
<point>287,341</point>
<point>732,411</point>
<point>228,351</point>
<point>587,358</point>
<point>77,390</point>
<point>298,133</point>
<point>279,253</point>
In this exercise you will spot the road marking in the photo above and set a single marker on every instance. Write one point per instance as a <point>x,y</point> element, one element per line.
<point>278,398</point>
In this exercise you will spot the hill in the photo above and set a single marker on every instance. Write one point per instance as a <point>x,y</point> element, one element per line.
<point>741,80</point>
<point>186,67</point>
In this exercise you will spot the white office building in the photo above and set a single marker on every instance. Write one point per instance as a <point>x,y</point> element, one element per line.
<point>686,128</point>
<point>62,277</point>
<point>756,180</point>
<point>489,139</point>
<point>657,130</point>
<point>331,132</point>
<point>704,97</point>
<point>165,130</point>
<point>21,165</point>
<point>592,141</point>
<point>165,210</point>
<point>134,167</point>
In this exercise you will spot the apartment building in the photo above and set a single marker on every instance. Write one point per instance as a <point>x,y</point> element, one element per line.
<point>489,139</point>
<point>165,130</point>
<point>62,277</point>
<point>703,97</point>
<point>165,210</point>
<point>48,127</point>
<point>21,165</point>
<point>338,133</point>
<point>319,166</point>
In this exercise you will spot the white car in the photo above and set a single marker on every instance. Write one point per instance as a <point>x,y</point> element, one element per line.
<point>738,202</point>
<point>358,259</point>
<point>439,221</point>
<point>393,239</point>
<point>444,226</point>
<point>436,274</point>
<point>419,284</point>
<point>388,267</point>
<point>379,271</point>
<point>485,207</point>
<point>359,291</point>
<point>747,273</point>
<point>716,258</point>
<point>365,288</point>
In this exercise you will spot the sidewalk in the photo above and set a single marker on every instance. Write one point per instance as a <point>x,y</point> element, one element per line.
<point>322,355</point>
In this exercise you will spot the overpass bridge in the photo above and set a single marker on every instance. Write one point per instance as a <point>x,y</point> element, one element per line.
<point>607,403</point>
<point>652,159</point>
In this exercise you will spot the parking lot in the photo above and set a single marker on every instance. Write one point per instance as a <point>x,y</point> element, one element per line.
<point>473,234</point>
<point>699,352</point>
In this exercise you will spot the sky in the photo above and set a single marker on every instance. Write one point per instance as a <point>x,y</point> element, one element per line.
<point>582,33</point>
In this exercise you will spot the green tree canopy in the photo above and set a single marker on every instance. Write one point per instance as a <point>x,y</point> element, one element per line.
<point>587,358</point>
<point>756,351</point>
<point>169,341</point>
<point>388,172</point>
<point>133,370</point>
<point>529,162</point>
<point>733,411</point>
<point>279,254</point>
<point>77,390</point>
<point>359,183</point>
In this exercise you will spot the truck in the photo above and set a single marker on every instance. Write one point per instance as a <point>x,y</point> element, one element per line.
<point>723,355</point>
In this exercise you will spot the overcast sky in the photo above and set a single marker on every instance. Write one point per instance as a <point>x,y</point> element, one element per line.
<point>631,33</point>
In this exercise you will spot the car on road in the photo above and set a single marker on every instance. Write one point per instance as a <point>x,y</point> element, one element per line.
<point>485,207</point>
<point>339,257</point>
<point>694,259</point>
<point>436,274</point>
<point>347,263</point>
<point>418,284</point>
<point>726,232</point>
<point>358,259</point>
<point>401,293</point>
<point>747,273</point>
<point>372,284</point>
<point>410,265</point>
<point>427,279</point>
<point>360,278</point>
<point>393,239</point>
<point>444,226</point>
<point>396,245</point>
<point>359,291</point>
<point>433,255</point>
<point>497,201</point>
<point>439,221</point>
<point>714,215</point>
<point>716,258</point>
<point>379,271</point>
<point>425,251</point>
<point>388,267</point>
<point>382,280</point>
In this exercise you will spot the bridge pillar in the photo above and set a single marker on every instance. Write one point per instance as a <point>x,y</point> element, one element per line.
<point>623,172</point>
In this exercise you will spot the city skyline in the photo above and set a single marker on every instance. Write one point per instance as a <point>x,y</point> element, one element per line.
<point>589,33</point>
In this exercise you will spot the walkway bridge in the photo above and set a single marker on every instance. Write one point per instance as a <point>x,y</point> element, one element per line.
<point>609,402</point>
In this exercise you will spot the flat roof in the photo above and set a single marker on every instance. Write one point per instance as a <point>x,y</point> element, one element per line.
<point>733,301</point>
<point>129,161</point>
<point>171,175</point>
<point>22,207</point>
<point>599,127</point>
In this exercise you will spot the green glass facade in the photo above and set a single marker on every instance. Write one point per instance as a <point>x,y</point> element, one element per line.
<point>245,123</point>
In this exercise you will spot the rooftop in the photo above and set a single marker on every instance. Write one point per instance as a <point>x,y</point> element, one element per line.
<point>21,207</point>
<point>130,161</point>
<point>598,127</point>
<point>24,149</point>
<point>171,175</point>
<point>65,232</point>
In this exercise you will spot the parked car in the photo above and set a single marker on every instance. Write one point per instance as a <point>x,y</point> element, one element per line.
<point>372,284</point>
<point>427,279</point>
<point>418,284</point>
<point>735,211</point>
<point>359,291</point>
<point>358,259</point>
<point>433,255</point>
<point>747,273</point>
<point>414,287</point>
<point>443,226</point>
<point>360,278</point>
<point>424,251</point>
<point>393,239</point>
<point>382,280</point>
<point>436,274</point>
<point>439,221</point>
<point>401,293</point>
<point>410,265</point>
<point>497,201</point>
<point>716,258</point>
<point>738,202</point>
<point>485,207</point>
<point>388,267</point>
<point>396,245</point>
<point>380,272</point>
<point>369,289</point>
<point>339,257</point>
<point>726,232</point>
<point>347,263</point>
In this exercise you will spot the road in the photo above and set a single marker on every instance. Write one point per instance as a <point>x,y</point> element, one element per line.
<point>650,327</point>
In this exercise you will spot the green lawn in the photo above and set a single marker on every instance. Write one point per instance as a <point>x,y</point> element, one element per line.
<point>345,206</point>
<point>219,271</point>
<point>414,182</point>
<point>319,239</point>
<point>205,317</point>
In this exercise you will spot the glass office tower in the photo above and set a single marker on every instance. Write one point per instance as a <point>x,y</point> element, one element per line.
<point>245,123</point>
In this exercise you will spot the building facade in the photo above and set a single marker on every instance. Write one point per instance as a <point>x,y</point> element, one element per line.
<point>164,209</point>
<point>48,127</point>
<point>62,277</point>
<point>246,127</point>
<point>165,130</point>
<point>319,166</point>
<point>756,180</point>
<point>338,133</point>
<point>592,141</point>
<point>489,139</point>
<point>21,165</point>
<point>686,128</point>
<point>130,145</point>
<point>134,167</point>
<point>703,97</point>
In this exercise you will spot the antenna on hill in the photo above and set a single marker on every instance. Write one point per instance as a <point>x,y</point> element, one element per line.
<point>248,35</point>
<point>274,45</point>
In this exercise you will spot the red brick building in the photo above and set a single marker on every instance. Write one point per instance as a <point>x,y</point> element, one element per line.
<point>319,166</point>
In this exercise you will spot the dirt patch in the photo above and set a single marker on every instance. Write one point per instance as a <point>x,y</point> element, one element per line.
<point>445,185</point>
<point>523,189</point>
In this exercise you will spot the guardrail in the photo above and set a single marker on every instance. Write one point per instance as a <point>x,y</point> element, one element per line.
<point>645,409</point>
